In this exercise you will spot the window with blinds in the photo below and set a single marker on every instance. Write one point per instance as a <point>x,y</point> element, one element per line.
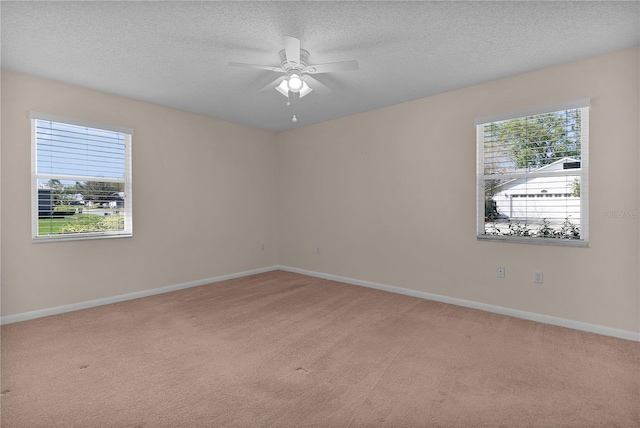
<point>533,176</point>
<point>81,179</point>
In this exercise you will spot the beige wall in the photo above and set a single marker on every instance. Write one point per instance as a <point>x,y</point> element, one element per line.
<point>389,197</point>
<point>205,198</point>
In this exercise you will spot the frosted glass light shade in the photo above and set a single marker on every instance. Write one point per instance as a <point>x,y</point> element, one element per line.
<point>295,83</point>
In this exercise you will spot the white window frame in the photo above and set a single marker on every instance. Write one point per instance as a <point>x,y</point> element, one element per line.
<point>582,104</point>
<point>128,208</point>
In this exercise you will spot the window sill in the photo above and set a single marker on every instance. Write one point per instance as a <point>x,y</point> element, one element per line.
<point>79,237</point>
<point>535,241</point>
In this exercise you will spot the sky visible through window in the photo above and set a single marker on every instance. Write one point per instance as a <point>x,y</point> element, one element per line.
<point>80,151</point>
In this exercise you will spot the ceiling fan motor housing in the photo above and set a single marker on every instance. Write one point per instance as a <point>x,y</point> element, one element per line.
<point>290,68</point>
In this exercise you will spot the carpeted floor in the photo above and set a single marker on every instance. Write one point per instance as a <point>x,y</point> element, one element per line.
<point>286,350</point>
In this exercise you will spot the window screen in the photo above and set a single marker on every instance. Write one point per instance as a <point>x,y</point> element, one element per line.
<point>532,177</point>
<point>81,180</point>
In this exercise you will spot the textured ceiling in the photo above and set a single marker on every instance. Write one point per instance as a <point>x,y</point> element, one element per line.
<point>176,53</point>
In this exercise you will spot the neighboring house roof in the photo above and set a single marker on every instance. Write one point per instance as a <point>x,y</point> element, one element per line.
<point>550,167</point>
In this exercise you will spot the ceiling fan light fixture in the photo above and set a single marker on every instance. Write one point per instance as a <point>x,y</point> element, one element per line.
<point>305,89</point>
<point>283,88</point>
<point>295,83</point>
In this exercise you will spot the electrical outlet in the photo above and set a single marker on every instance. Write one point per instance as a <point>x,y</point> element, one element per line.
<point>317,250</point>
<point>500,271</point>
<point>537,277</point>
<point>261,247</point>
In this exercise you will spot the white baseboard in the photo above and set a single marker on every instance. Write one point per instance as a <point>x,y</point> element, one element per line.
<point>546,319</point>
<point>9,319</point>
<point>531,316</point>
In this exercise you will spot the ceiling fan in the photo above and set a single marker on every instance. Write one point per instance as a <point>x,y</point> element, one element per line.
<point>296,70</point>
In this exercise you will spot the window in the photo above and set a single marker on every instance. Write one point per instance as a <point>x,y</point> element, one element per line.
<point>81,179</point>
<point>533,175</point>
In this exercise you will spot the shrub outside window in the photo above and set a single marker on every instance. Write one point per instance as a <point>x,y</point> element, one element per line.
<point>532,174</point>
<point>81,179</point>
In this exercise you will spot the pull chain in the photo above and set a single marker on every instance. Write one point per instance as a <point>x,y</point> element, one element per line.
<point>294,119</point>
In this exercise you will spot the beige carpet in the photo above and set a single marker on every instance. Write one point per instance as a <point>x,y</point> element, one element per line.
<point>285,350</point>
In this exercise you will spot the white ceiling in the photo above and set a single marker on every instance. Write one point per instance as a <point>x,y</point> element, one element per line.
<point>176,53</point>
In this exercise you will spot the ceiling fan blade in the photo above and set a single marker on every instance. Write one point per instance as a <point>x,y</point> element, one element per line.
<point>273,84</point>
<point>316,85</point>
<point>330,67</point>
<point>256,66</point>
<point>292,49</point>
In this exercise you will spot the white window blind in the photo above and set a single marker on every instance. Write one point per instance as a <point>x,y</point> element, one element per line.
<point>81,179</point>
<point>533,176</point>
